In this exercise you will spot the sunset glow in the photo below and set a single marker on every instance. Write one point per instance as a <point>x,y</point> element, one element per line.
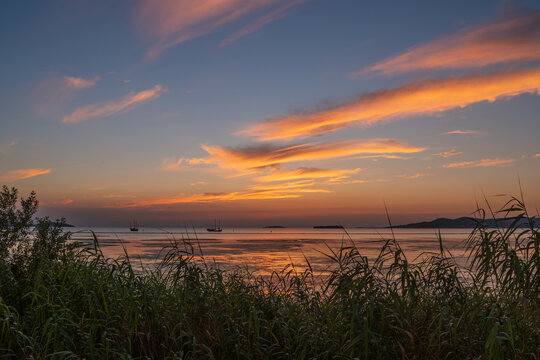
<point>269,112</point>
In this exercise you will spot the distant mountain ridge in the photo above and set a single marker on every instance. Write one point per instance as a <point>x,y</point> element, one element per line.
<point>462,223</point>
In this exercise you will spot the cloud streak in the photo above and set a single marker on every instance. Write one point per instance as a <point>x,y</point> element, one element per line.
<point>510,40</point>
<point>447,154</point>
<point>267,156</point>
<point>306,173</point>
<point>415,99</point>
<point>274,15</point>
<point>412,177</point>
<point>21,174</point>
<point>462,132</point>
<point>171,22</point>
<point>50,94</point>
<point>481,163</point>
<point>261,193</point>
<point>126,103</point>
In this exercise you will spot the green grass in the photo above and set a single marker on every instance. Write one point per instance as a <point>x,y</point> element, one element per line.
<point>60,301</point>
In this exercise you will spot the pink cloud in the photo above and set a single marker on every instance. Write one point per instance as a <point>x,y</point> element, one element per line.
<point>509,40</point>
<point>171,22</point>
<point>262,21</point>
<point>109,108</point>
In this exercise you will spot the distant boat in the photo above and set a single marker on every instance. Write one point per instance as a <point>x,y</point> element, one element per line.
<point>134,226</point>
<point>216,228</point>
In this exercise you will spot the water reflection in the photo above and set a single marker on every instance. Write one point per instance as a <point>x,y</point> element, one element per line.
<point>265,250</point>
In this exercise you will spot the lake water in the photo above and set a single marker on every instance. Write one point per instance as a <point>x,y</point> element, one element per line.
<point>265,250</point>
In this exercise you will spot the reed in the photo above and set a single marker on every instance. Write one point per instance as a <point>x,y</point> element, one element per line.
<point>58,300</point>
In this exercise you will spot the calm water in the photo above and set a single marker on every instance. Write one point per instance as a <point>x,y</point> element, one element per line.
<point>265,250</point>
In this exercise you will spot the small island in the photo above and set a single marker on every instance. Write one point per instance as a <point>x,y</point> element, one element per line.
<point>328,227</point>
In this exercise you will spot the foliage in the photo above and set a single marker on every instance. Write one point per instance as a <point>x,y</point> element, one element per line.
<point>74,303</point>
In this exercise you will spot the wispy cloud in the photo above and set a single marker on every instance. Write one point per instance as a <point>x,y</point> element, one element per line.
<point>171,164</point>
<point>5,147</point>
<point>306,173</point>
<point>253,26</point>
<point>50,94</point>
<point>290,186</point>
<point>515,39</point>
<point>255,194</point>
<point>195,183</point>
<point>78,83</point>
<point>267,156</point>
<point>64,201</point>
<point>171,22</point>
<point>20,174</point>
<point>534,156</point>
<point>462,132</point>
<point>382,156</point>
<point>412,177</point>
<point>126,103</point>
<point>420,98</point>
<point>481,163</point>
<point>447,154</point>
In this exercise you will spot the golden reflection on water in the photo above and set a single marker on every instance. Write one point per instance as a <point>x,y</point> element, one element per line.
<point>263,251</point>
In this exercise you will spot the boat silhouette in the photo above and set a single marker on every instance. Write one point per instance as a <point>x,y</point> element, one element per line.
<point>134,226</point>
<point>216,228</point>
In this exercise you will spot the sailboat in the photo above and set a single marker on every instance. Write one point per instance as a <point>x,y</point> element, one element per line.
<point>216,228</point>
<point>134,226</point>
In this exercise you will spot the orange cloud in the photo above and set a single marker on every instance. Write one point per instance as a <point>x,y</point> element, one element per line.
<point>306,173</point>
<point>447,154</point>
<point>171,22</point>
<point>481,163</point>
<point>213,197</point>
<point>420,98</point>
<point>264,156</point>
<point>262,21</point>
<point>124,104</point>
<point>15,175</point>
<point>65,201</point>
<point>291,186</point>
<point>516,39</point>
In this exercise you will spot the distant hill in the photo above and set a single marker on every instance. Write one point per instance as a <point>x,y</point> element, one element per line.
<point>460,223</point>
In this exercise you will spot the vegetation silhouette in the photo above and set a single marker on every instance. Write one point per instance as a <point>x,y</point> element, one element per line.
<point>62,300</point>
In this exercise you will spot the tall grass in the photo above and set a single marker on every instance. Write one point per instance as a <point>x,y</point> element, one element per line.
<point>58,301</point>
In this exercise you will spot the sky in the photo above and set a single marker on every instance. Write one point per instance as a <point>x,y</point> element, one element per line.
<point>269,112</point>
